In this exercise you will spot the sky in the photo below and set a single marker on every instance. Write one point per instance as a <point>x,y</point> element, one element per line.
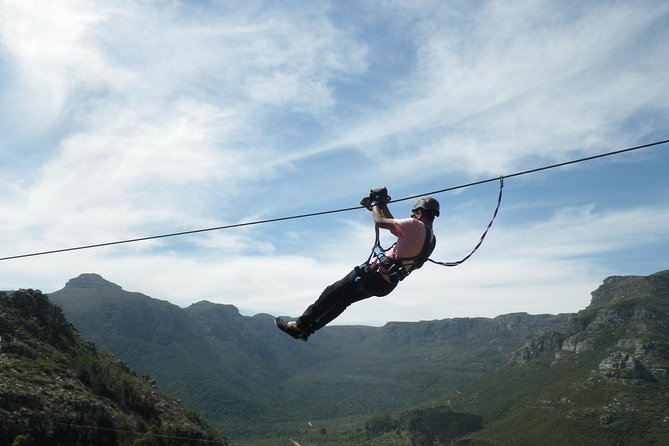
<point>129,119</point>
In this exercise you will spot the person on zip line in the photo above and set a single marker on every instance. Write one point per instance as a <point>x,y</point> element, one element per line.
<point>381,273</point>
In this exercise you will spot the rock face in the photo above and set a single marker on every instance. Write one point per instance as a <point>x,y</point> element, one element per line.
<point>626,323</point>
<point>600,380</point>
<point>91,280</point>
<point>624,365</point>
<point>57,389</point>
<point>618,288</point>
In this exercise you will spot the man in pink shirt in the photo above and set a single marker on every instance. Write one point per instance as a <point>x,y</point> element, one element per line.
<point>380,275</point>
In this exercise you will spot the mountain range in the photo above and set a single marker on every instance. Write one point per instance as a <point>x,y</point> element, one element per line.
<point>595,377</point>
<point>244,376</point>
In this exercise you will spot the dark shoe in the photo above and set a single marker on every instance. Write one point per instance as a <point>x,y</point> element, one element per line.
<point>291,329</point>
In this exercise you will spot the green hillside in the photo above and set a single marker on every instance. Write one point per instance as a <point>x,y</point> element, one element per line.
<point>247,378</point>
<point>58,389</point>
<point>598,377</point>
<point>601,380</point>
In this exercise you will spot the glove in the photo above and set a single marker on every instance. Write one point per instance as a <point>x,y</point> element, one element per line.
<point>380,194</point>
<point>376,196</point>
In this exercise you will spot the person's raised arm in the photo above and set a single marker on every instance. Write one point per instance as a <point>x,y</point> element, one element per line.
<point>382,216</point>
<point>377,203</point>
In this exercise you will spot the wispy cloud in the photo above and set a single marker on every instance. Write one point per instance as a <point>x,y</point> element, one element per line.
<point>46,58</point>
<point>131,119</point>
<point>535,80</point>
<point>173,108</point>
<point>542,267</point>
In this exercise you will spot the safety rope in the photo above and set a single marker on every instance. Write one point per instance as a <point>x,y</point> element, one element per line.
<point>499,202</point>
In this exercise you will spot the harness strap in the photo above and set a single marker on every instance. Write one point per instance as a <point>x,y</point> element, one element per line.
<point>425,251</point>
<point>499,202</point>
<point>397,268</point>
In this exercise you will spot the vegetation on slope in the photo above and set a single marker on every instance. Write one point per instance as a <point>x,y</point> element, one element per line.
<point>58,389</point>
<point>599,377</point>
<point>246,378</point>
<point>602,380</point>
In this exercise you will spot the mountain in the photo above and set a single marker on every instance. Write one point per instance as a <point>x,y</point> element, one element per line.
<point>58,389</point>
<point>245,377</point>
<point>602,379</point>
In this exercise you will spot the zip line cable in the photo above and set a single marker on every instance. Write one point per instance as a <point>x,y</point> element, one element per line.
<point>535,170</point>
<point>334,211</point>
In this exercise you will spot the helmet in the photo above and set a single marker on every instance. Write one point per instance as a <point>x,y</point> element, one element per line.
<point>427,204</point>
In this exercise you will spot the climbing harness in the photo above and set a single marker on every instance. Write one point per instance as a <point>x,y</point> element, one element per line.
<point>398,269</point>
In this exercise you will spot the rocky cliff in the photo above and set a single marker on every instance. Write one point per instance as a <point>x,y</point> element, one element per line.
<point>627,319</point>
<point>599,380</point>
<point>58,389</point>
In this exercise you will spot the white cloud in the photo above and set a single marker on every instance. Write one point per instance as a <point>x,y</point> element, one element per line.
<point>178,121</point>
<point>47,48</point>
<point>541,267</point>
<point>536,80</point>
<point>139,119</point>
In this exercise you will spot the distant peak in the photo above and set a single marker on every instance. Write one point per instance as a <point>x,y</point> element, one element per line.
<point>209,304</point>
<point>90,280</point>
<point>617,288</point>
<point>205,306</point>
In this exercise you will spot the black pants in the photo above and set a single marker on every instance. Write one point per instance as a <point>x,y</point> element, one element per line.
<point>359,284</point>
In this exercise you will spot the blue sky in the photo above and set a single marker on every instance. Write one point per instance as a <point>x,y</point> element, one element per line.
<point>130,119</point>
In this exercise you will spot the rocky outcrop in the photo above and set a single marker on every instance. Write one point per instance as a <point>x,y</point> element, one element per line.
<point>91,280</point>
<point>56,388</point>
<point>548,342</point>
<point>617,288</point>
<point>625,366</point>
<point>627,324</point>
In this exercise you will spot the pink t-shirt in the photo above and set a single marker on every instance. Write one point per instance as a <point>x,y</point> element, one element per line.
<point>410,234</point>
